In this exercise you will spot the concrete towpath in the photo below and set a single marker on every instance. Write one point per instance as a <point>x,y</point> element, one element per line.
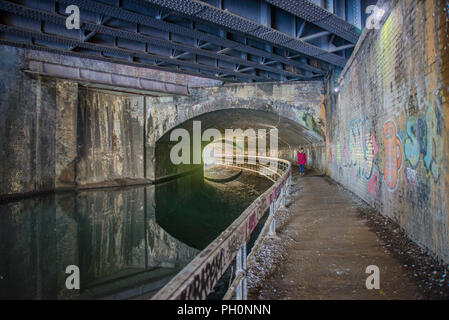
<point>328,248</point>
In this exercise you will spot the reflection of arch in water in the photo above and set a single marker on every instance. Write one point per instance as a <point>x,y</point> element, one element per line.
<point>196,211</point>
<point>110,234</point>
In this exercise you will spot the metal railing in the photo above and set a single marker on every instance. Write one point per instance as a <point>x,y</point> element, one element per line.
<point>200,276</point>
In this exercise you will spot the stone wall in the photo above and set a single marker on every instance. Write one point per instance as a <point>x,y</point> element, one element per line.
<point>58,134</point>
<point>300,102</point>
<point>388,135</point>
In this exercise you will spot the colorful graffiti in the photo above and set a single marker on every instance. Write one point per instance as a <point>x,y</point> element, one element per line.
<point>415,149</point>
<point>392,155</point>
<point>424,137</point>
<point>411,143</point>
<point>362,148</point>
<point>307,120</point>
<point>372,185</point>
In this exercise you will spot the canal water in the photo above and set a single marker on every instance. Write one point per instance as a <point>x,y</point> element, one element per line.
<point>126,242</point>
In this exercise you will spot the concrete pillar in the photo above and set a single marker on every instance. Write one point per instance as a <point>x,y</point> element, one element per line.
<point>66,133</point>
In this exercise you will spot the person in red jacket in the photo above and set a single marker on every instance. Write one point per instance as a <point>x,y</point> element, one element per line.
<point>302,160</point>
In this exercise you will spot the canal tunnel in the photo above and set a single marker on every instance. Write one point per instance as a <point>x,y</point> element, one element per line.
<point>290,135</point>
<point>201,207</point>
<point>102,150</point>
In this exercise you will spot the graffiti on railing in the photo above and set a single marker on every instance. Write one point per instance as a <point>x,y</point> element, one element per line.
<point>206,278</point>
<point>198,278</point>
<point>201,283</point>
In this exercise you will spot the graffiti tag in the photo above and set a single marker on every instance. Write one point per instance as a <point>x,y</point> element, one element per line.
<point>424,138</point>
<point>392,155</point>
<point>204,281</point>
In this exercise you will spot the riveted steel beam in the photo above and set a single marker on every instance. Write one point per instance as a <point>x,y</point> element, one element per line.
<point>94,29</point>
<point>228,20</point>
<point>188,36</point>
<point>130,16</point>
<point>320,17</point>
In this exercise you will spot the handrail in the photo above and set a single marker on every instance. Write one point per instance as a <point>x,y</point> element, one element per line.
<point>199,277</point>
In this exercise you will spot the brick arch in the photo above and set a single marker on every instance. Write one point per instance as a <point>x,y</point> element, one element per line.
<point>295,108</point>
<point>298,102</point>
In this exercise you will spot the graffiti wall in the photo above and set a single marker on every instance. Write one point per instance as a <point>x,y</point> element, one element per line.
<point>390,123</point>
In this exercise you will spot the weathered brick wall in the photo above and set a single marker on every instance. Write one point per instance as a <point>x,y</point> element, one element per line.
<point>301,102</point>
<point>388,136</point>
<point>58,134</point>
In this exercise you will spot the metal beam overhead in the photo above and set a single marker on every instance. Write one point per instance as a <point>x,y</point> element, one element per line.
<point>236,41</point>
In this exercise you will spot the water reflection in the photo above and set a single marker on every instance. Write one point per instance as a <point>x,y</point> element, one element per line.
<point>113,236</point>
<point>205,208</point>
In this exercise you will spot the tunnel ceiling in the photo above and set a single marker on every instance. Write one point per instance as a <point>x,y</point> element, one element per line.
<point>290,133</point>
<point>228,40</point>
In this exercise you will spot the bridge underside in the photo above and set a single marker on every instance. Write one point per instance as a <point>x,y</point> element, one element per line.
<point>230,41</point>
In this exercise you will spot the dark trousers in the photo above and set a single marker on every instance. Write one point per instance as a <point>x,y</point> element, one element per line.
<point>301,168</point>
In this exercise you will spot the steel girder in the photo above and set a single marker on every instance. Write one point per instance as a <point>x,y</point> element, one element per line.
<point>316,15</point>
<point>303,9</point>
<point>138,32</point>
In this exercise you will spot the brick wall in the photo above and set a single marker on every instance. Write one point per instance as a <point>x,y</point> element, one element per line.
<point>299,102</point>
<point>57,134</point>
<point>388,128</point>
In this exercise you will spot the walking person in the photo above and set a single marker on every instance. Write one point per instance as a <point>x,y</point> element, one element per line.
<point>302,160</point>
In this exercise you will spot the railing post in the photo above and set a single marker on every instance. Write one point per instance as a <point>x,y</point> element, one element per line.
<point>238,269</point>
<point>272,231</point>
<point>244,267</point>
<point>284,195</point>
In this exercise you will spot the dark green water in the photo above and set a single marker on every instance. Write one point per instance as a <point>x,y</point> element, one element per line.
<point>127,242</point>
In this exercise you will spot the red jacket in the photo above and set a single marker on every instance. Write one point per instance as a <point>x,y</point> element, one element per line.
<point>302,158</point>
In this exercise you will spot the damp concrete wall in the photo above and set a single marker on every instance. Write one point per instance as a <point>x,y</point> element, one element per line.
<point>61,134</point>
<point>388,128</point>
<point>56,134</point>
<point>30,130</point>
<point>110,136</point>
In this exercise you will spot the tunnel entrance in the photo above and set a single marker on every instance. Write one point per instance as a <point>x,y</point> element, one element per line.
<point>290,136</point>
<point>196,210</point>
